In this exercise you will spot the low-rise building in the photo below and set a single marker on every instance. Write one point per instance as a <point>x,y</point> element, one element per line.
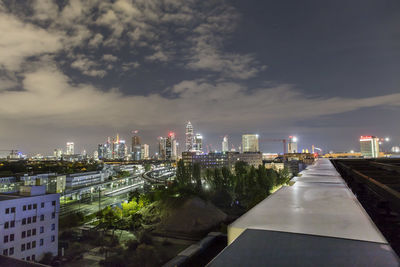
<point>29,223</point>
<point>77,180</point>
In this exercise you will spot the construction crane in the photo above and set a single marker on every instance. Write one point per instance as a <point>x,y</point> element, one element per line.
<point>283,141</point>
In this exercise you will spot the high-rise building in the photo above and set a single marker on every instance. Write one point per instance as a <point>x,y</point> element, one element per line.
<point>198,143</point>
<point>292,144</point>
<point>170,147</point>
<point>369,146</point>
<point>58,153</point>
<point>144,151</point>
<point>136,148</point>
<point>225,145</point>
<point>70,148</point>
<point>162,143</point>
<point>250,143</point>
<point>189,137</point>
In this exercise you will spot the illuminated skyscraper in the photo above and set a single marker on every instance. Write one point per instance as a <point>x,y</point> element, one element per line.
<point>225,145</point>
<point>250,143</point>
<point>292,144</point>
<point>136,148</point>
<point>369,146</point>
<point>144,151</point>
<point>198,143</point>
<point>70,148</point>
<point>162,142</point>
<point>189,136</point>
<point>170,147</point>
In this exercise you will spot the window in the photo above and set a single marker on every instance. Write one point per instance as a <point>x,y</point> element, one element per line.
<point>33,257</point>
<point>53,238</point>
<point>34,219</point>
<point>28,258</point>
<point>42,217</point>
<point>23,221</point>
<point>23,247</point>
<point>53,215</point>
<point>12,251</point>
<point>5,252</point>
<point>42,205</point>
<point>41,229</point>
<point>7,210</point>
<point>34,231</point>
<point>24,208</point>
<point>41,242</point>
<point>23,234</point>
<point>34,206</point>
<point>53,203</point>
<point>6,224</point>
<point>53,227</point>
<point>12,224</point>
<point>13,211</point>
<point>11,237</point>
<point>28,245</point>
<point>29,232</point>
<point>29,206</point>
<point>33,244</point>
<point>29,219</point>
<point>5,239</point>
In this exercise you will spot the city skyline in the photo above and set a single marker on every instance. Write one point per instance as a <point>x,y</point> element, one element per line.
<point>84,70</point>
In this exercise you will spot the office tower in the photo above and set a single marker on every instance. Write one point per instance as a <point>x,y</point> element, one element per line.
<point>58,153</point>
<point>170,147</point>
<point>250,143</point>
<point>189,137</point>
<point>162,148</point>
<point>136,148</point>
<point>198,143</point>
<point>225,145</point>
<point>144,151</point>
<point>369,146</point>
<point>96,155</point>
<point>29,223</point>
<point>292,144</point>
<point>70,148</point>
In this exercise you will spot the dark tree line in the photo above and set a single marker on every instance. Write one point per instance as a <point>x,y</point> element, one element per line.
<point>244,187</point>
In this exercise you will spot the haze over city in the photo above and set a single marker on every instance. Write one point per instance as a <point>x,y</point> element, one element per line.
<point>84,70</point>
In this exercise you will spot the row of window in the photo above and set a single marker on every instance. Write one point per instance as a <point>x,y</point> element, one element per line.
<point>28,207</point>
<point>29,258</point>
<point>8,238</point>
<point>29,220</point>
<point>30,232</point>
<point>30,245</point>
<point>10,224</point>
<point>8,210</point>
<point>9,251</point>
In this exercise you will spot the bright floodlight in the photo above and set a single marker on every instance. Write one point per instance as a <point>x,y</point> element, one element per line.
<point>294,139</point>
<point>387,139</point>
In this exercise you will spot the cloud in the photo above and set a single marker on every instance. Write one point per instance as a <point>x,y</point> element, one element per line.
<point>110,58</point>
<point>22,40</point>
<point>88,66</point>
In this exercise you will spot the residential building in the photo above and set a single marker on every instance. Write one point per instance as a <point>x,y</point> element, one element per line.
<point>250,143</point>
<point>170,147</point>
<point>251,158</point>
<point>198,143</point>
<point>136,148</point>
<point>162,144</point>
<point>29,223</point>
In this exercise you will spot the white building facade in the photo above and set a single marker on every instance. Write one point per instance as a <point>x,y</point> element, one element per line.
<point>29,223</point>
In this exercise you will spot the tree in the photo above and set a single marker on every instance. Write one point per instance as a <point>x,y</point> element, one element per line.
<point>196,174</point>
<point>147,167</point>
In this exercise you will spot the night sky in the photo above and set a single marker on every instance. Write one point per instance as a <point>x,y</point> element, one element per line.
<point>325,71</point>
